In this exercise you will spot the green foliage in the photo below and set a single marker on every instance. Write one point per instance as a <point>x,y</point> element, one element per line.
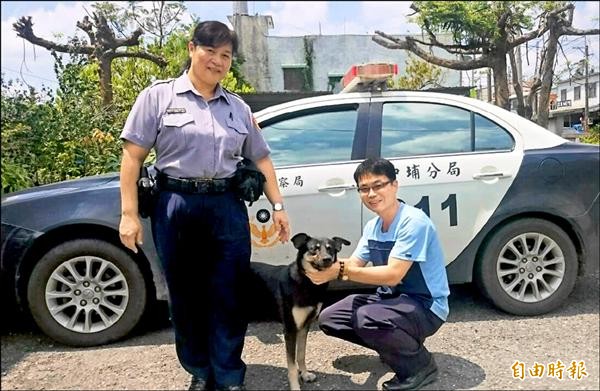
<point>475,23</point>
<point>234,81</point>
<point>62,137</point>
<point>49,137</point>
<point>14,176</point>
<point>593,135</point>
<point>419,75</point>
<point>131,75</point>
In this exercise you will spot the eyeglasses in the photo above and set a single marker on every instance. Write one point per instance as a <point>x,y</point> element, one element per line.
<point>364,190</point>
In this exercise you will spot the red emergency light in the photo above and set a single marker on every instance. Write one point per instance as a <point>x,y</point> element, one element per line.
<point>367,75</point>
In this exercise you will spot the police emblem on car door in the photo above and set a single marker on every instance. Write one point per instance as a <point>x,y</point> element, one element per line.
<point>312,155</point>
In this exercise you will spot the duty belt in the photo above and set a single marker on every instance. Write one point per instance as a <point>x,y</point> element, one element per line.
<point>193,185</point>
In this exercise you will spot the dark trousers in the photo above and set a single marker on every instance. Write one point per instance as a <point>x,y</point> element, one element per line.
<point>203,242</point>
<point>394,327</point>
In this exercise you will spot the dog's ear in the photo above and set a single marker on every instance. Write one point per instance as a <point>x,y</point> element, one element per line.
<point>300,239</point>
<point>339,242</point>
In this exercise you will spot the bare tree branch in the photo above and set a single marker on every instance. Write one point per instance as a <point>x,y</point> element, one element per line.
<point>502,21</point>
<point>508,34</point>
<point>24,29</point>
<point>103,46</point>
<point>456,48</point>
<point>527,37</point>
<point>568,30</point>
<point>410,44</point>
<point>88,28</point>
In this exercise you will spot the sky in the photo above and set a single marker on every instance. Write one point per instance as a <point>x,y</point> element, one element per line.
<point>56,20</point>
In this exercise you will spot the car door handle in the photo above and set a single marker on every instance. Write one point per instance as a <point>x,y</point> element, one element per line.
<point>490,175</point>
<point>326,189</point>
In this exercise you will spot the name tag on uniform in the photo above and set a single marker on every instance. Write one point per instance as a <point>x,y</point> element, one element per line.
<point>175,110</point>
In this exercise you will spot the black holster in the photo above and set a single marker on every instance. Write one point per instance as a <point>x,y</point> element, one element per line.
<point>147,193</point>
<point>249,181</point>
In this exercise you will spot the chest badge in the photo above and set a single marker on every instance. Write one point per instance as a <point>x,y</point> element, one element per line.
<point>175,110</point>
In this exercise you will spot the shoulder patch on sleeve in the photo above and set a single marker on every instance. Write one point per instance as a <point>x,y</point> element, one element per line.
<point>255,122</point>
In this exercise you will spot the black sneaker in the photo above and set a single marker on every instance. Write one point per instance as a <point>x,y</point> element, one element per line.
<point>425,376</point>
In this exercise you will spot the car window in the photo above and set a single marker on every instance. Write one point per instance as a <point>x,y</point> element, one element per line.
<point>313,137</point>
<point>489,136</point>
<point>414,128</point>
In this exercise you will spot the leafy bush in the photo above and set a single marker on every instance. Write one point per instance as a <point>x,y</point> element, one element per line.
<point>49,137</point>
<point>593,136</point>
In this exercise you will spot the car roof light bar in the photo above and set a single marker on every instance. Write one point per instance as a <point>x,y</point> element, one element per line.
<point>368,77</point>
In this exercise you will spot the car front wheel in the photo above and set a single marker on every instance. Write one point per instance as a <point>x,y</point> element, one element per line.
<point>528,267</point>
<point>86,292</point>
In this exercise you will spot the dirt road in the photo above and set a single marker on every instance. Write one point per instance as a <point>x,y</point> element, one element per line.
<point>475,349</point>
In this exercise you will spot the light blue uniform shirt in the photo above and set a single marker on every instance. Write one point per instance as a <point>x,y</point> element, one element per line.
<point>194,138</point>
<point>412,237</point>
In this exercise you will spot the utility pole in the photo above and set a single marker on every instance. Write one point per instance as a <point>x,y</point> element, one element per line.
<point>489,85</point>
<point>586,112</point>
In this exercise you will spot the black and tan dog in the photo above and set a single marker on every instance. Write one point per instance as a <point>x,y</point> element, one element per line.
<point>296,299</point>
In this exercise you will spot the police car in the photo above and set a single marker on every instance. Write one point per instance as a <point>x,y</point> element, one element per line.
<point>516,207</point>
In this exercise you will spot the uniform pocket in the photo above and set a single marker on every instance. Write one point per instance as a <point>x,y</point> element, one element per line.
<point>236,135</point>
<point>237,125</point>
<point>176,131</point>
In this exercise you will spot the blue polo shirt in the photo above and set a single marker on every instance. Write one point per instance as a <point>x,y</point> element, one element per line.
<point>411,237</point>
<point>194,137</point>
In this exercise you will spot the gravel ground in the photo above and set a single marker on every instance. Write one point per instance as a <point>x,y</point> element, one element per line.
<point>475,349</point>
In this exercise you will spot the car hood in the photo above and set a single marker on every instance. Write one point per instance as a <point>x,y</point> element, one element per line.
<point>58,188</point>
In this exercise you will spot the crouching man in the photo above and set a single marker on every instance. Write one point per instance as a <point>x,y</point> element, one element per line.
<point>408,265</point>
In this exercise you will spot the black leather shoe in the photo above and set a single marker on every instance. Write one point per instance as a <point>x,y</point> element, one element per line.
<point>199,384</point>
<point>425,376</point>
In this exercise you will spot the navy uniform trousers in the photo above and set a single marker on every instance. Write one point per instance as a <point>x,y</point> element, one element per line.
<point>395,327</point>
<point>203,242</point>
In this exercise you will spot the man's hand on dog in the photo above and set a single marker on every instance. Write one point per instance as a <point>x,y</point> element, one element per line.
<point>325,275</point>
<point>280,218</point>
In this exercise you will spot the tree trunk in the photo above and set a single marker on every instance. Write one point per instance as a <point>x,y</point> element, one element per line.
<point>501,93</point>
<point>105,75</point>
<point>547,75</point>
<point>517,85</point>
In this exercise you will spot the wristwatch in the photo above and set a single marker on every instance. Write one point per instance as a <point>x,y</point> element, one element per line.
<point>277,206</point>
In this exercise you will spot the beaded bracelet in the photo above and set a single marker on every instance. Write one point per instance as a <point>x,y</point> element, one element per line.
<point>341,273</point>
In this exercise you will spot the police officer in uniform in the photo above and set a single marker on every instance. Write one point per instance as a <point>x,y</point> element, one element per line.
<point>200,131</point>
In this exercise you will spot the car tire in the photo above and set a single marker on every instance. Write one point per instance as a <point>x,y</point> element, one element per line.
<point>86,292</point>
<point>528,267</point>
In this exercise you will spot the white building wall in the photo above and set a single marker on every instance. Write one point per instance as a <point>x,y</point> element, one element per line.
<point>335,54</point>
<point>568,111</point>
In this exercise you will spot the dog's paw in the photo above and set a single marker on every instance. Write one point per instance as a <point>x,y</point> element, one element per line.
<point>308,376</point>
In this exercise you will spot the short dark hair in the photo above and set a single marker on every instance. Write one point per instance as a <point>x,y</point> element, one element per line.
<point>375,166</point>
<point>214,34</point>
